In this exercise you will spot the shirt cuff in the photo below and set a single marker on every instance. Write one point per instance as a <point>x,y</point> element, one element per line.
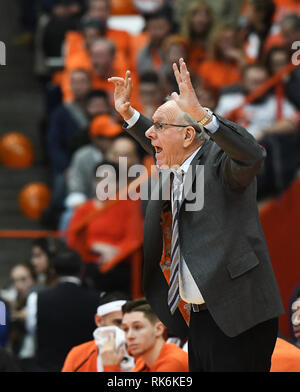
<point>213,125</point>
<point>134,119</point>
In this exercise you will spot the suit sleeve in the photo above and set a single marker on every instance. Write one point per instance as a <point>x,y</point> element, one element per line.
<point>241,157</point>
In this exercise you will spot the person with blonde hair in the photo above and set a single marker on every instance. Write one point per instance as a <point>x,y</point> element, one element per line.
<point>196,25</point>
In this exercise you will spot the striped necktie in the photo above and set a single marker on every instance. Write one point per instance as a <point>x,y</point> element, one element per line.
<point>173,293</point>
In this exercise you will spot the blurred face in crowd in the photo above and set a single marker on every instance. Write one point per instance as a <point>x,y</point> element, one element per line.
<point>22,279</point>
<point>141,334</point>
<point>103,143</point>
<point>123,147</point>
<point>150,94</point>
<point>174,53</point>
<point>200,21</point>
<point>97,106</point>
<point>113,318</point>
<point>99,9</point>
<point>278,60</point>
<point>158,29</point>
<point>207,98</point>
<point>226,41</point>
<point>90,35</point>
<point>102,58</point>
<point>253,78</point>
<point>289,33</point>
<point>80,84</point>
<point>39,260</point>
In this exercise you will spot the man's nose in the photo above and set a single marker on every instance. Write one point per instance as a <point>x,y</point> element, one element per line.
<point>150,133</point>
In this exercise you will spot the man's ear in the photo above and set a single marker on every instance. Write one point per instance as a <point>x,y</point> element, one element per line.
<point>98,320</point>
<point>159,329</point>
<point>189,136</point>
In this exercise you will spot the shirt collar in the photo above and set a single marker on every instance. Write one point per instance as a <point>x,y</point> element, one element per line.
<point>186,164</point>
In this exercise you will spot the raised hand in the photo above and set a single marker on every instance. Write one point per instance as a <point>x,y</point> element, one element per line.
<point>187,99</point>
<point>122,95</point>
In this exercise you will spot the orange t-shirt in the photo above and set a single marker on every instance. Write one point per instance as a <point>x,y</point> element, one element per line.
<point>286,357</point>
<point>82,358</point>
<point>285,7</point>
<point>171,359</point>
<point>121,225</point>
<point>218,74</point>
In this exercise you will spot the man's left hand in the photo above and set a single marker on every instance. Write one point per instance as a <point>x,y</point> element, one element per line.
<point>187,99</point>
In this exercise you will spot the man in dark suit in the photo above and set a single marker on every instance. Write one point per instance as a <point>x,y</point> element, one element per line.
<point>64,313</point>
<point>215,276</point>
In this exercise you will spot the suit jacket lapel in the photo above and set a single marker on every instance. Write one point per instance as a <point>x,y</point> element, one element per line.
<point>191,174</point>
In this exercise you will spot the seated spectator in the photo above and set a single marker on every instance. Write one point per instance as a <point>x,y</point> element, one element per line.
<point>287,33</point>
<point>101,9</point>
<point>225,58</point>
<point>101,234</point>
<point>61,316</point>
<point>151,93</point>
<point>108,319</point>
<point>277,58</point>
<point>144,334</point>
<point>174,47</point>
<point>158,26</point>
<point>41,252</point>
<point>65,15</point>
<point>23,281</point>
<point>102,63</point>
<point>196,26</point>
<point>124,146</point>
<point>259,19</point>
<point>65,122</point>
<point>102,131</point>
<point>260,114</point>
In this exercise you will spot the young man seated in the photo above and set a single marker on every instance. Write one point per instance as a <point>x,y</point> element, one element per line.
<point>145,341</point>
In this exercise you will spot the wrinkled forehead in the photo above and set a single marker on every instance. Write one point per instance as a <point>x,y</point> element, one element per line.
<point>168,113</point>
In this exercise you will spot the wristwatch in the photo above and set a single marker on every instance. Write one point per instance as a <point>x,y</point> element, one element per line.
<point>206,118</point>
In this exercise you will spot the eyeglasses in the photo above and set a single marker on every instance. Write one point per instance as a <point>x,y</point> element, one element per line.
<point>158,126</point>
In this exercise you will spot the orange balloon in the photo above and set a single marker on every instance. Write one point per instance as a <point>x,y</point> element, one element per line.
<point>16,150</point>
<point>34,198</point>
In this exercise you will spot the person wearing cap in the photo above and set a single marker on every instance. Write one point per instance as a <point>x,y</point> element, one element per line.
<point>104,228</point>
<point>102,131</point>
<point>87,356</point>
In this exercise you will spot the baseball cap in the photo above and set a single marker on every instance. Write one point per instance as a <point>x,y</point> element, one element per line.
<point>104,125</point>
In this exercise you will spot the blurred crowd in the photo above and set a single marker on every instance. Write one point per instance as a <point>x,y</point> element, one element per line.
<point>243,60</point>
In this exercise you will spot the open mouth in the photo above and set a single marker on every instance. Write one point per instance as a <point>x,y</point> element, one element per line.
<point>157,149</point>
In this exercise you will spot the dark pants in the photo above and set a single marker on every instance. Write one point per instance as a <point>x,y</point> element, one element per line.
<point>210,350</point>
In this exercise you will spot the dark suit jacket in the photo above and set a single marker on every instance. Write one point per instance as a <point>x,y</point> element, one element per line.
<point>223,243</point>
<point>65,318</point>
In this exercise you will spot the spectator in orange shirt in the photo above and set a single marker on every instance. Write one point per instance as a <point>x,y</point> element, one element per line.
<point>158,26</point>
<point>196,27</point>
<point>101,9</point>
<point>145,341</point>
<point>223,66</point>
<point>259,19</point>
<point>100,236</point>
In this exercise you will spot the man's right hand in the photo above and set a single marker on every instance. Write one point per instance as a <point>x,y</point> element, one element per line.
<point>122,95</point>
